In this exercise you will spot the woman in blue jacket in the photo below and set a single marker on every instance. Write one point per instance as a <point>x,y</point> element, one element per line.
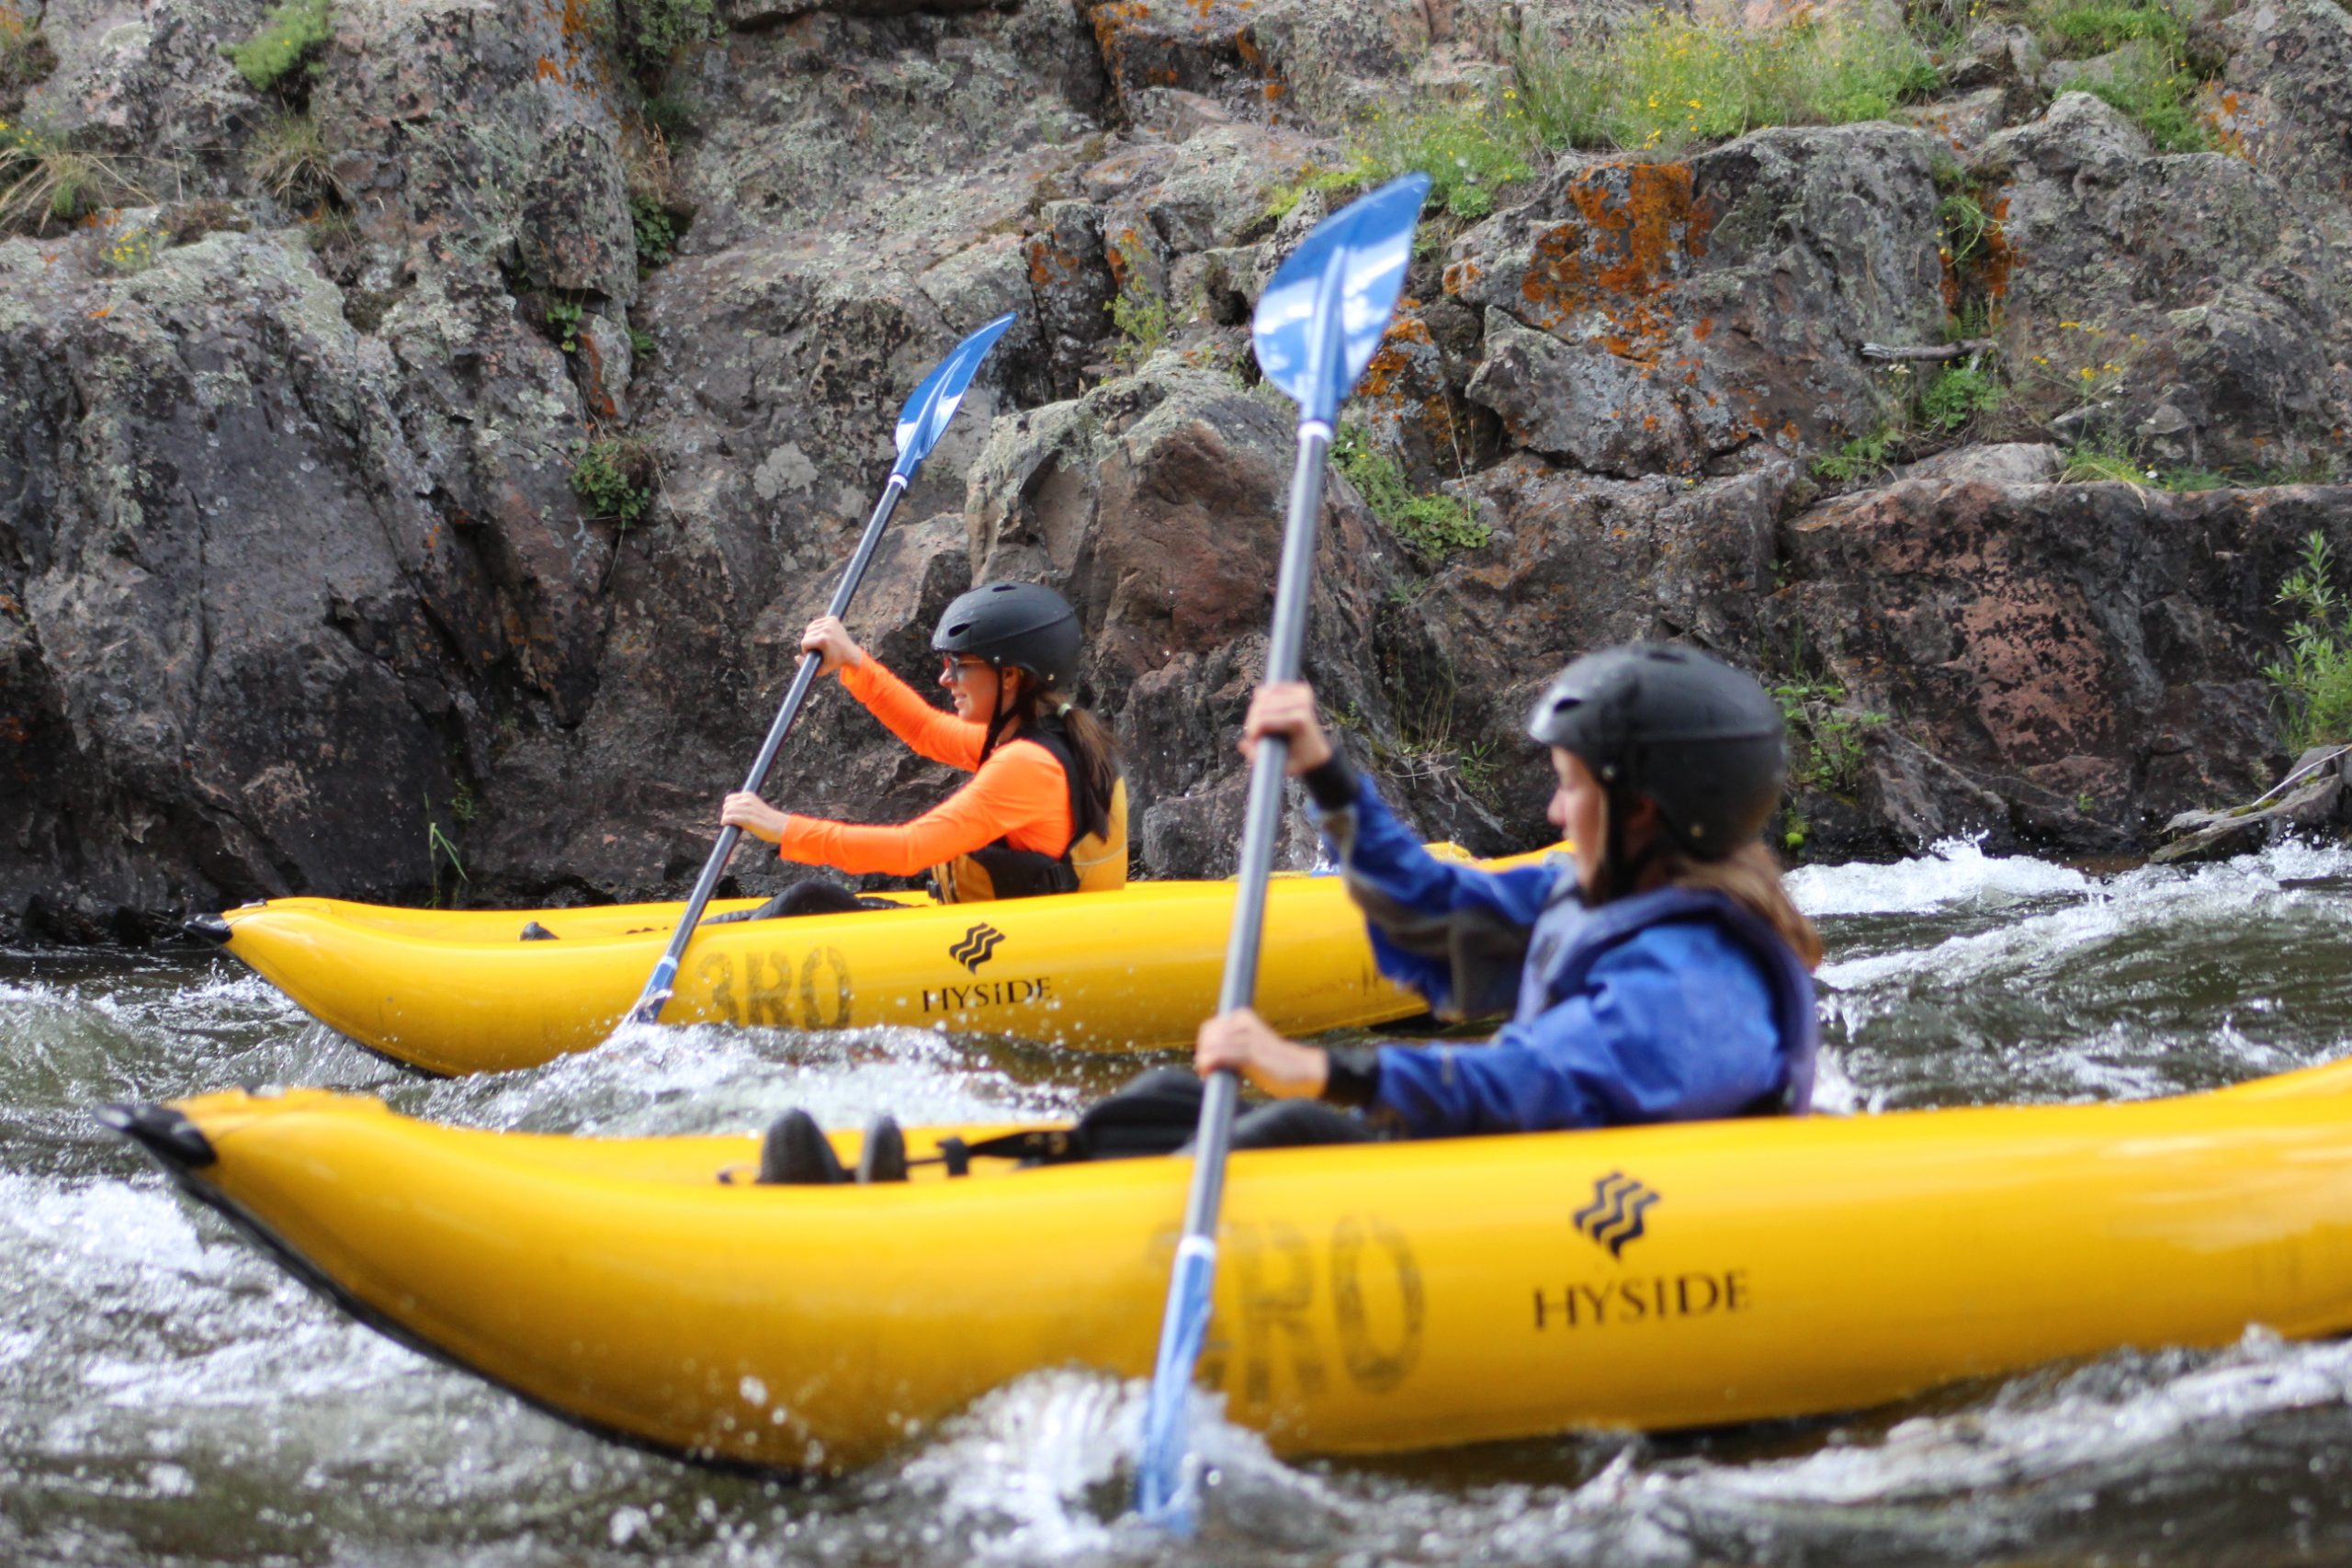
<point>1661,974</point>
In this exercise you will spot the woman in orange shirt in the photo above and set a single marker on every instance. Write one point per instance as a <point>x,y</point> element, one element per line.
<point>1045,810</point>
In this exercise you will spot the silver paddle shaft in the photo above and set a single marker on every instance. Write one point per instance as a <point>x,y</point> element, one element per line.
<point>1261,821</point>
<point>658,989</point>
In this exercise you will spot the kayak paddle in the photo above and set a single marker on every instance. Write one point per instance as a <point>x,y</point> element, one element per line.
<point>921,423</point>
<point>1318,324</point>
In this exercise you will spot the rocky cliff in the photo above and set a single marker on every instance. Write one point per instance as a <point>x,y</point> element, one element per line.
<point>424,424</point>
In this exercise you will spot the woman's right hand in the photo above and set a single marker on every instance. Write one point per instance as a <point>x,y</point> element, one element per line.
<point>1287,708</point>
<point>831,641</point>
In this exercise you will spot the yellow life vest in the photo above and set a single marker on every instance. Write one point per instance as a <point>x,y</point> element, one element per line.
<point>1095,862</point>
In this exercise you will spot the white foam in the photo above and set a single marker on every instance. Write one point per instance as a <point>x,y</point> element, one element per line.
<point>1953,870</point>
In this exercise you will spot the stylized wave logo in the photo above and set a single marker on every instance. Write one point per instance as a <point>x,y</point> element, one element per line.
<point>978,947</point>
<point>1613,1218</point>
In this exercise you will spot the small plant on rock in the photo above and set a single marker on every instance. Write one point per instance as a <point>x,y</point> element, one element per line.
<point>614,475</point>
<point>656,29</point>
<point>1957,397</point>
<point>1826,749</point>
<point>1433,525</point>
<point>288,42</point>
<point>131,251</point>
<point>1140,318</point>
<point>563,320</point>
<point>44,181</point>
<point>2314,680</point>
<point>1861,457</point>
<point>289,159</point>
<point>1469,153</point>
<point>25,55</point>
<point>657,233</point>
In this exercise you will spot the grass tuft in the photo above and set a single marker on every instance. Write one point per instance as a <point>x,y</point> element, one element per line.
<point>289,159</point>
<point>1433,525</point>
<point>44,181</point>
<point>614,475</point>
<point>1665,83</point>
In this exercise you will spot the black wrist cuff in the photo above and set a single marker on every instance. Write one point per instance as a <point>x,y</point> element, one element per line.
<point>1355,1075</point>
<point>1332,783</point>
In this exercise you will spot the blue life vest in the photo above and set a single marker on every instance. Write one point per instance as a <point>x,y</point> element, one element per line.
<point>1568,939</point>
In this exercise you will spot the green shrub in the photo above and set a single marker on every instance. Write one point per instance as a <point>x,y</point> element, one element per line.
<point>1957,396</point>
<point>1431,526</point>
<point>1826,749</point>
<point>656,29</point>
<point>2314,680</point>
<point>1666,82</point>
<point>287,36</point>
<point>1140,318</point>
<point>640,344</point>
<point>613,474</point>
<point>657,235</point>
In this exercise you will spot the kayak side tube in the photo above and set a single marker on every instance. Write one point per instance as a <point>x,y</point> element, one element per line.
<point>1371,1299</point>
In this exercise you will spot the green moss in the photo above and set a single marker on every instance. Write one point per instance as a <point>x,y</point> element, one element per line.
<point>288,35</point>
<point>1433,525</point>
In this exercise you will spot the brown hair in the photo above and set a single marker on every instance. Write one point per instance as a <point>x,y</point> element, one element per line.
<point>1091,747</point>
<point>1750,877</point>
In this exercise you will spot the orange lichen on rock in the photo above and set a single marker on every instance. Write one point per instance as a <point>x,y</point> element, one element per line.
<point>2000,257</point>
<point>1638,229</point>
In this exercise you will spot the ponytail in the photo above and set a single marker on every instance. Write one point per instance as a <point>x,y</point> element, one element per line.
<point>1092,749</point>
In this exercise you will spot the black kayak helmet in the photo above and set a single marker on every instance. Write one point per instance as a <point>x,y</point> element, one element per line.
<point>1023,625</point>
<point>1661,722</point>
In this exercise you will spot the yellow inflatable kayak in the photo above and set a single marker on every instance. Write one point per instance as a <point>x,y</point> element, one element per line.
<point>1369,1298</point>
<point>458,992</point>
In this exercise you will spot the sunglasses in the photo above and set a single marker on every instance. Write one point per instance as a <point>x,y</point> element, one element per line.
<point>961,670</point>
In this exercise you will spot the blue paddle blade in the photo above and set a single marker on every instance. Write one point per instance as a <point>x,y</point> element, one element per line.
<point>930,406</point>
<point>1321,319</point>
<point>1165,1492</point>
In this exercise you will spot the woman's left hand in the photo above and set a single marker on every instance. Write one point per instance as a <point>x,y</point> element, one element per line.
<point>1241,1041</point>
<point>756,817</point>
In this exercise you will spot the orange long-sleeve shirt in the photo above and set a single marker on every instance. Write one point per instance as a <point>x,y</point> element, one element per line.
<point>1020,794</point>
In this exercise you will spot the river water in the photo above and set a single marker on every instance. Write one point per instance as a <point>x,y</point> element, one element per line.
<point>168,1397</point>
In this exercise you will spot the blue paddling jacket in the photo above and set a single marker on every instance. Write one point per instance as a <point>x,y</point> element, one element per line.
<point>1673,1005</point>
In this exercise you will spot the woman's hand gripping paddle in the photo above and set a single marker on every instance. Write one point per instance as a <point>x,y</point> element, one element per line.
<point>1317,326</point>
<point>921,423</point>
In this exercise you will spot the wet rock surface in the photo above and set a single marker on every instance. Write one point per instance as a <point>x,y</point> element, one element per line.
<point>303,588</point>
